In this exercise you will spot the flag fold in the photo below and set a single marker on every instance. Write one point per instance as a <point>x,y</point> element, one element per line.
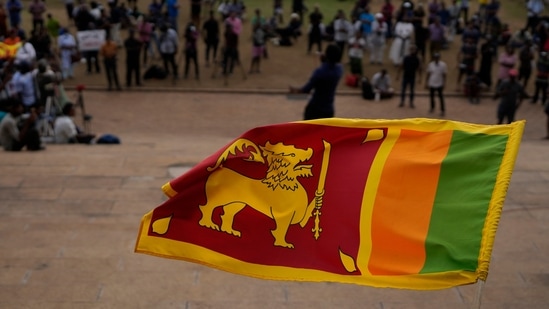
<point>411,203</point>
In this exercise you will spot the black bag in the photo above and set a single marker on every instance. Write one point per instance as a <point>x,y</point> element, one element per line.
<point>367,89</point>
<point>155,72</point>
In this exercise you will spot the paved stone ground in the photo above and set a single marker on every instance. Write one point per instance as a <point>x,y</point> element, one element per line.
<point>69,216</point>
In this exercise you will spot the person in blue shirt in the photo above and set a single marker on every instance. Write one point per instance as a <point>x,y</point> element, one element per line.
<point>173,13</point>
<point>323,81</point>
<point>367,19</point>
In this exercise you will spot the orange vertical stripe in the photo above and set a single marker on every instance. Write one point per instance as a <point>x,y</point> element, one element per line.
<point>404,200</point>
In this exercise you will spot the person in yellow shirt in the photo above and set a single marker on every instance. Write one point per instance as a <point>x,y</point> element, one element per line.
<point>109,51</point>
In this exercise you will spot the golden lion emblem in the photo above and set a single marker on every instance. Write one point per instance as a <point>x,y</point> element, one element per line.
<point>279,195</point>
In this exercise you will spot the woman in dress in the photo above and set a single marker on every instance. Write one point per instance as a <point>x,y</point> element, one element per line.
<point>403,37</point>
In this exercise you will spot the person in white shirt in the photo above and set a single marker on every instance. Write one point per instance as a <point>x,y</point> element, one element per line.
<point>381,82</point>
<point>357,44</point>
<point>377,39</point>
<point>67,46</point>
<point>25,53</point>
<point>343,30</point>
<point>24,85</point>
<point>435,81</point>
<point>66,131</point>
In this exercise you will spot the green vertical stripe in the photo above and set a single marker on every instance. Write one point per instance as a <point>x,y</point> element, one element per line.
<point>467,180</point>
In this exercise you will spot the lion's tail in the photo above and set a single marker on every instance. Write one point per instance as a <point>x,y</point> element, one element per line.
<point>240,145</point>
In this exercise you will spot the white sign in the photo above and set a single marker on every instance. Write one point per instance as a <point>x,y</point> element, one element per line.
<point>90,39</point>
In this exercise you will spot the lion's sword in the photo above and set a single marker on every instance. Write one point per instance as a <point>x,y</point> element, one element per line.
<point>320,190</point>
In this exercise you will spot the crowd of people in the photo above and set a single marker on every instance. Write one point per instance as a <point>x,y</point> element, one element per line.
<point>410,36</point>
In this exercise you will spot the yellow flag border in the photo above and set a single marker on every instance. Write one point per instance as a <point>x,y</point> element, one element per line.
<point>171,249</point>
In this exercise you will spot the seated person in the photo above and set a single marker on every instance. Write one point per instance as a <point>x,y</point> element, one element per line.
<point>382,85</point>
<point>66,131</point>
<point>18,130</point>
<point>292,31</point>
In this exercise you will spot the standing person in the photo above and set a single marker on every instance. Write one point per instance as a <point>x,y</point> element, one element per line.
<point>210,31</point>
<point>191,53</point>
<point>436,36</point>
<point>230,52</point>
<point>133,53</point>
<point>542,78</point>
<point>53,26</point>
<point>466,59</point>
<point>37,9</point>
<point>323,81</point>
<point>109,51</point>
<point>435,80</point>
<point>69,8</point>
<point>67,46</point>
<point>298,7</point>
<point>487,56</point>
<point>278,11</point>
<point>366,18</point>
<point>403,36</point>
<point>14,9</point>
<point>377,39</point>
<point>410,68</point>
<point>92,59</point>
<point>453,24</point>
<point>316,30</point>
<point>15,132</point>
<point>535,8</point>
<point>388,10</point>
<point>342,30</point>
<point>258,47</point>
<point>507,61</point>
<point>169,44</point>
<point>145,30</point>
<point>511,93</point>
<point>196,9</point>
<point>526,56</point>
<point>357,44</point>
<point>464,9</point>
<point>173,13</point>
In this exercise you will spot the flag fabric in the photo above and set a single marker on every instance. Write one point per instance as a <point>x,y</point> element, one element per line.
<point>8,51</point>
<point>411,203</point>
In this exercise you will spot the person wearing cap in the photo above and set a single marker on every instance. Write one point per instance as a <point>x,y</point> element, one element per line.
<point>511,93</point>
<point>435,81</point>
<point>323,83</point>
<point>377,39</point>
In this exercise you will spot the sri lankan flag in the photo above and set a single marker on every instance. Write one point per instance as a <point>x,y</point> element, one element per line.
<point>391,203</point>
